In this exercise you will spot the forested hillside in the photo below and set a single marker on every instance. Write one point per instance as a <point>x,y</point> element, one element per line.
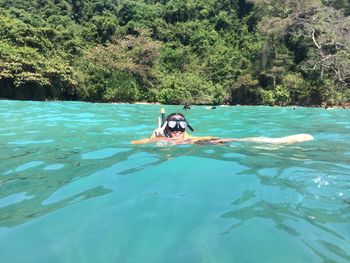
<point>273,52</point>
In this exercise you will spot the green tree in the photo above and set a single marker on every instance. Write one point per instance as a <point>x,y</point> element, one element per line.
<point>120,70</point>
<point>245,90</point>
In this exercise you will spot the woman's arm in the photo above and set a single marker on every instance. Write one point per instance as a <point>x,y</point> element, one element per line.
<point>214,140</point>
<point>283,140</point>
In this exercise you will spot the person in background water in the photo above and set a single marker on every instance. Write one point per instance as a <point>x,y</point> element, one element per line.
<point>174,131</point>
<point>187,106</point>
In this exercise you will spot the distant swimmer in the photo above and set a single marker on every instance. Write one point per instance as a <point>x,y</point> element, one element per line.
<point>172,129</point>
<point>187,106</point>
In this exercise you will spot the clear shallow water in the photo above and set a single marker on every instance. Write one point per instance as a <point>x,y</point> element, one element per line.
<point>73,188</point>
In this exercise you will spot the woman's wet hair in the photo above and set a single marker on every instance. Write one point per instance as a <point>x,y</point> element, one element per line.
<point>175,114</point>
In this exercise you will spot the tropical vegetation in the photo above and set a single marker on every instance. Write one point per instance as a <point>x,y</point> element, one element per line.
<point>271,52</point>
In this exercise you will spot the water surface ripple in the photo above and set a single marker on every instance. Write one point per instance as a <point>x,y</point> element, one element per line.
<point>74,189</point>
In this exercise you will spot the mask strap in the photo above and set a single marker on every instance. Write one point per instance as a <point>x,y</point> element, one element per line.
<point>189,126</point>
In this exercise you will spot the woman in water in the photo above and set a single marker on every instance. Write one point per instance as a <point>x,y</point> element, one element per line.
<point>174,132</point>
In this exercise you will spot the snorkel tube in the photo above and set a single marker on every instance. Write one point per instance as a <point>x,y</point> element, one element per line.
<point>162,112</point>
<point>161,121</point>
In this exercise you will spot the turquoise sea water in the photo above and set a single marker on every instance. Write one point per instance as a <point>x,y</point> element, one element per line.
<point>73,188</point>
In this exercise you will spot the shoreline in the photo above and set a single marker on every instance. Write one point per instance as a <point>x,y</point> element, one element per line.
<point>324,105</point>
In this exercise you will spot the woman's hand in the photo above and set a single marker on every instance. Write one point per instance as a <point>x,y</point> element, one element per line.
<point>159,132</point>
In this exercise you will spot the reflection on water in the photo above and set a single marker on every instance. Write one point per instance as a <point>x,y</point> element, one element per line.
<point>69,167</point>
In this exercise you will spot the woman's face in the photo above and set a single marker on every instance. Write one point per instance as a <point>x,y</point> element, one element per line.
<point>176,126</point>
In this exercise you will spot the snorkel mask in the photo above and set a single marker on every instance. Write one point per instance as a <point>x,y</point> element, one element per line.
<point>176,123</point>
